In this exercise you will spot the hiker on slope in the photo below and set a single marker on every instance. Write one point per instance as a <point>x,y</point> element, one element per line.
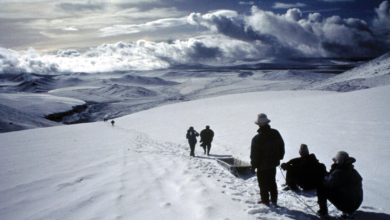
<point>206,137</point>
<point>191,136</point>
<point>267,149</point>
<point>305,171</point>
<point>342,186</point>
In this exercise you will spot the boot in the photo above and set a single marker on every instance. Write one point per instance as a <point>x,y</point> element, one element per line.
<point>323,212</point>
<point>274,201</point>
<point>261,202</point>
<point>350,215</point>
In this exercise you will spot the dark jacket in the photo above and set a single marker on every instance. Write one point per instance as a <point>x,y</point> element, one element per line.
<point>267,148</point>
<point>344,184</point>
<point>206,136</point>
<point>191,136</point>
<point>307,171</point>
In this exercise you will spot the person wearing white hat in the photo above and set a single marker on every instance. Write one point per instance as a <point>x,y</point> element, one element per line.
<point>305,171</point>
<point>342,186</point>
<point>267,149</point>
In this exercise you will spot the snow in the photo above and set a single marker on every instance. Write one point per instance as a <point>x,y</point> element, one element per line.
<point>39,104</point>
<point>371,74</point>
<point>140,168</point>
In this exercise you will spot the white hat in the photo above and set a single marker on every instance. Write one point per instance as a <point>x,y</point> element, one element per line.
<point>303,150</point>
<point>340,157</point>
<point>262,119</point>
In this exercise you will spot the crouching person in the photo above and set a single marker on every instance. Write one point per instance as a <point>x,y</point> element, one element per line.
<point>305,171</point>
<point>342,186</point>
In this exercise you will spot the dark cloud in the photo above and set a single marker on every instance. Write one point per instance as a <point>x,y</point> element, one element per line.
<point>291,34</point>
<point>199,51</point>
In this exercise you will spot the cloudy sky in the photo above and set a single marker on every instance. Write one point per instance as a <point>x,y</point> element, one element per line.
<point>180,31</point>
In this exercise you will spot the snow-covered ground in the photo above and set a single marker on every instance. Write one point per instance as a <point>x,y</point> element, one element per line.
<point>140,168</point>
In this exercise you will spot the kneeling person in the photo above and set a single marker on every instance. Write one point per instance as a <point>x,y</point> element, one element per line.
<point>305,171</point>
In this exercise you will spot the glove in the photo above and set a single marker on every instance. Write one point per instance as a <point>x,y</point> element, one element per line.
<point>284,166</point>
<point>253,169</point>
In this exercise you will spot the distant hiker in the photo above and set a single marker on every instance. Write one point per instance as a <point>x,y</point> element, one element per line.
<point>105,119</point>
<point>305,171</point>
<point>342,186</point>
<point>112,122</point>
<point>267,150</point>
<point>206,137</point>
<point>191,136</point>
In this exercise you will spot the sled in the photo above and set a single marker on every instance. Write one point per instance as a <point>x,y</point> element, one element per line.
<point>235,166</point>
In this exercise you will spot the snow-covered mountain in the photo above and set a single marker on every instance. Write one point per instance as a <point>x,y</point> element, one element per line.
<point>370,74</point>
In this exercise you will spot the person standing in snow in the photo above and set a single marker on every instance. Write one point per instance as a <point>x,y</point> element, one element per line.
<point>191,136</point>
<point>206,137</point>
<point>112,122</point>
<point>267,149</point>
<point>342,186</point>
<point>305,171</point>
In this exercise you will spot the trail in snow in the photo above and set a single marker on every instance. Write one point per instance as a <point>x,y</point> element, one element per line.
<point>298,205</point>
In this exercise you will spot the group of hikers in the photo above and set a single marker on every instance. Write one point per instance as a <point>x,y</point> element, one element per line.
<point>206,137</point>
<point>342,185</point>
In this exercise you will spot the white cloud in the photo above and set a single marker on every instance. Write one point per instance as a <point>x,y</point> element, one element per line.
<point>316,17</point>
<point>232,38</point>
<point>246,3</point>
<point>294,14</point>
<point>70,29</point>
<point>381,23</point>
<point>153,25</point>
<point>285,5</point>
<point>292,35</point>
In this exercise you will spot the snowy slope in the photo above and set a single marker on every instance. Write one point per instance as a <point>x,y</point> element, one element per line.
<point>140,168</point>
<point>371,74</point>
<point>38,104</point>
<point>15,120</point>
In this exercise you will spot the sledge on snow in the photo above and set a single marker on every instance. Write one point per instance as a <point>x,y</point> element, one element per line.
<point>235,166</point>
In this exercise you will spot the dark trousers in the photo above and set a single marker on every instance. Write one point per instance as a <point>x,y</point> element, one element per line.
<point>267,184</point>
<point>322,194</point>
<point>192,147</point>
<point>291,179</point>
<point>207,146</point>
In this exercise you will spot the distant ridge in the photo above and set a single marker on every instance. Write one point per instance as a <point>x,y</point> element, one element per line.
<point>367,75</point>
<point>143,80</point>
<point>124,91</point>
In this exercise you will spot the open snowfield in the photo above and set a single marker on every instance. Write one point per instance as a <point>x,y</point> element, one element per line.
<point>319,69</point>
<point>140,168</point>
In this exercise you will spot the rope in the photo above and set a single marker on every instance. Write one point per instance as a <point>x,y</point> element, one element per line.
<point>296,196</point>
